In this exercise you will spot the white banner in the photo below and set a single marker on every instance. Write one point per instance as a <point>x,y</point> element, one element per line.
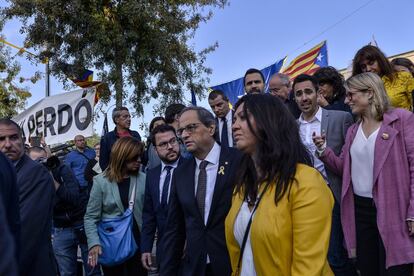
<point>59,118</point>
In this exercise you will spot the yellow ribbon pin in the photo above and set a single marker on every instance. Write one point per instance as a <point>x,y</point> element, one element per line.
<point>221,170</point>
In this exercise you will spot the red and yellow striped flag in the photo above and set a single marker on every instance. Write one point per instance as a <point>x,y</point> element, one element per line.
<point>308,62</point>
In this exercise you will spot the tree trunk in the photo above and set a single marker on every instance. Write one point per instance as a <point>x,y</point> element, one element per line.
<point>119,84</point>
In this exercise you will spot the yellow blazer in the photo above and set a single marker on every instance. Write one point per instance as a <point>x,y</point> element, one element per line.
<point>291,238</point>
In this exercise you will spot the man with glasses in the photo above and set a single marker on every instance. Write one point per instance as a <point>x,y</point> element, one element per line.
<point>280,86</point>
<point>200,198</point>
<point>157,191</point>
<point>122,121</point>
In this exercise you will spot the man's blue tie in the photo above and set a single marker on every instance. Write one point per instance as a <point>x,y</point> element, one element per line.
<point>165,186</point>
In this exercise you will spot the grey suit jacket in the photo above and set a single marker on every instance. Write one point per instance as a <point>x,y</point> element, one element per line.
<point>105,202</point>
<point>335,124</point>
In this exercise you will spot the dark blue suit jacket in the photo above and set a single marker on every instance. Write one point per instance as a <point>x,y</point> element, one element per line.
<point>107,141</point>
<point>185,224</point>
<point>10,196</point>
<point>153,217</point>
<point>36,194</point>
<point>8,264</point>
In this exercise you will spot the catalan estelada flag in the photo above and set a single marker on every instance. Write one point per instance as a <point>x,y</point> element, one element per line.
<point>85,80</point>
<point>308,62</point>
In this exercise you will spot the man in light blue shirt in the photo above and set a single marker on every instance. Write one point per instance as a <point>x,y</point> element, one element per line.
<point>78,158</point>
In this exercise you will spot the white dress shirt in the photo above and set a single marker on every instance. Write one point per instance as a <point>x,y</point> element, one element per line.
<point>306,129</point>
<point>213,158</point>
<point>362,165</point>
<point>164,175</point>
<point>229,121</point>
<point>242,219</point>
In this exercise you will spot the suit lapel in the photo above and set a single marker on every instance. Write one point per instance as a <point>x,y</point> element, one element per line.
<point>115,192</point>
<point>155,180</point>
<point>220,181</point>
<point>189,186</point>
<point>383,143</point>
<point>325,121</point>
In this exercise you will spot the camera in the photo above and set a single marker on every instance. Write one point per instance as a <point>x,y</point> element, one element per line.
<point>50,163</point>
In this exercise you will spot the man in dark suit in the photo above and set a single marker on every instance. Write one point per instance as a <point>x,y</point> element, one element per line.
<point>36,192</point>
<point>220,106</point>
<point>10,196</point>
<point>200,199</point>
<point>122,121</point>
<point>280,86</point>
<point>333,124</point>
<point>8,262</point>
<point>157,190</point>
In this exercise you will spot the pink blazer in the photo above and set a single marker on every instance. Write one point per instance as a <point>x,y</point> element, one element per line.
<point>393,189</point>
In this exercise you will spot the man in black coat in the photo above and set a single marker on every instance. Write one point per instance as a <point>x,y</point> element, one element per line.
<point>122,121</point>
<point>10,196</point>
<point>200,199</point>
<point>157,191</point>
<point>36,192</point>
<point>8,263</point>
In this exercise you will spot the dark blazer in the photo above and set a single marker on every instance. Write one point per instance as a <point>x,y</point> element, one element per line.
<point>217,134</point>
<point>153,217</point>
<point>36,192</point>
<point>8,263</point>
<point>10,198</point>
<point>185,224</point>
<point>107,141</point>
<point>335,124</point>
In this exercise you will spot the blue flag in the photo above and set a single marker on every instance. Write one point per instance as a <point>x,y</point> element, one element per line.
<point>235,89</point>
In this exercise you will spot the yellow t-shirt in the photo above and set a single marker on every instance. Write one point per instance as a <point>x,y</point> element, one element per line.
<point>399,91</point>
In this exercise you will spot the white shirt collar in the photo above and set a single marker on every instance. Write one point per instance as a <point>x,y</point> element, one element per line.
<point>318,116</point>
<point>212,157</point>
<point>174,165</point>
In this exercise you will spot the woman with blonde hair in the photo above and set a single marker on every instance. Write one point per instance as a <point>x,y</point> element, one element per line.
<point>377,168</point>
<point>109,198</point>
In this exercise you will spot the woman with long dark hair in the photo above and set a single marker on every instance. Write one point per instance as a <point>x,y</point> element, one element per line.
<point>399,85</point>
<point>377,169</point>
<point>331,89</point>
<point>287,200</point>
<point>109,199</point>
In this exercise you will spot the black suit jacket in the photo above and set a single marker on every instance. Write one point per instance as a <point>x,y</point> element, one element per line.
<point>36,192</point>
<point>185,224</point>
<point>10,196</point>
<point>217,134</point>
<point>153,217</point>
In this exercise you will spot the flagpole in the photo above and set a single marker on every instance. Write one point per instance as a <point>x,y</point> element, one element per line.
<point>47,78</point>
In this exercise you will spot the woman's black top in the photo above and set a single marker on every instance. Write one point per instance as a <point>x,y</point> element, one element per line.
<point>123,188</point>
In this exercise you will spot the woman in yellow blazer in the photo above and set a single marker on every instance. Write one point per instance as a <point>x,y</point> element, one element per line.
<point>288,200</point>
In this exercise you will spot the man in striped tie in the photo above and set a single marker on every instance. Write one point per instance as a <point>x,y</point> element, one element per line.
<point>200,199</point>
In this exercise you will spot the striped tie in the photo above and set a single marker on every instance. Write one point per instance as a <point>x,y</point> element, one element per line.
<point>201,187</point>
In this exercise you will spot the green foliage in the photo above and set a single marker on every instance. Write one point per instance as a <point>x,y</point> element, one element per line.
<point>140,45</point>
<point>12,95</point>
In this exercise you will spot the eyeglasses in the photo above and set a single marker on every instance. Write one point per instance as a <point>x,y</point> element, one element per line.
<point>189,128</point>
<point>349,94</point>
<point>164,145</point>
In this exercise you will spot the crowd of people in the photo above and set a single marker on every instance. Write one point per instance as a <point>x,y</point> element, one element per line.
<point>314,176</point>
